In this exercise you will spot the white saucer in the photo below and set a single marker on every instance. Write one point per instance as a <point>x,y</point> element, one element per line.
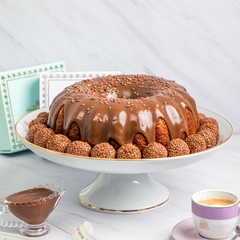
<point>185,230</point>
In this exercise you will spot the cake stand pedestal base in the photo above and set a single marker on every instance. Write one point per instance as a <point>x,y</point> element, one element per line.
<point>123,193</point>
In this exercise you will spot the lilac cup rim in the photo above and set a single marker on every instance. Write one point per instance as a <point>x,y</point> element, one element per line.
<point>216,206</point>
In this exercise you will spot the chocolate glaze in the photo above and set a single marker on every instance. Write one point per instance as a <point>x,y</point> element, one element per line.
<point>120,106</point>
<point>32,206</point>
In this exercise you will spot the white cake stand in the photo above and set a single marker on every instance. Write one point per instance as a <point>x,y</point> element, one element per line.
<point>123,186</point>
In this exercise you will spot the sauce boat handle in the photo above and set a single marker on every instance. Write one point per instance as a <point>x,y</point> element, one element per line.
<point>8,223</point>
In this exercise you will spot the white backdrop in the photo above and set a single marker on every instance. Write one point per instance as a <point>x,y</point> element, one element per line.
<point>196,43</point>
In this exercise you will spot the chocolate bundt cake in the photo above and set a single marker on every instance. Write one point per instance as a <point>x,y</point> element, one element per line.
<point>123,109</point>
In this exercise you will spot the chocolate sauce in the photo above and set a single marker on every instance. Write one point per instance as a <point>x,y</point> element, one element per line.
<point>32,206</point>
<point>120,106</point>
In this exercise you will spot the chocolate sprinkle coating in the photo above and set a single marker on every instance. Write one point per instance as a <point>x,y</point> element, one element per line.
<point>196,143</point>
<point>201,116</point>
<point>58,142</point>
<point>209,137</point>
<point>129,151</point>
<point>103,150</point>
<point>33,129</point>
<point>211,127</point>
<point>37,121</point>
<point>43,115</point>
<point>208,120</point>
<point>155,150</point>
<point>177,147</point>
<point>79,148</point>
<point>41,137</point>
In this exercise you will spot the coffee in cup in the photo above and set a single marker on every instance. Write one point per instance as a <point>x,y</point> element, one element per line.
<point>216,201</point>
<point>215,213</point>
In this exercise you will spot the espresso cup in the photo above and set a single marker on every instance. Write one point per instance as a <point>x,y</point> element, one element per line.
<point>215,213</point>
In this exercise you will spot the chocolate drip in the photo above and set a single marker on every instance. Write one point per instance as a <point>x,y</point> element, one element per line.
<point>118,107</point>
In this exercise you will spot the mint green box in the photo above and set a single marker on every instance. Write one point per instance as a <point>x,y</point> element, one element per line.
<point>19,95</point>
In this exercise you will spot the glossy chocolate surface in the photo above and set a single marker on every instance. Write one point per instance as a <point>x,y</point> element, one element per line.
<point>32,206</point>
<point>120,106</point>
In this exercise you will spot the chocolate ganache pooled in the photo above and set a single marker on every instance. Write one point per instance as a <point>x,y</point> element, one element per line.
<point>124,109</point>
<point>32,206</point>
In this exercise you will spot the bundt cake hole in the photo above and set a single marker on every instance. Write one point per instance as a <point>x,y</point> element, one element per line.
<point>140,141</point>
<point>183,135</point>
<point>162,134</point>
<point>114,143</point>
<point>192,128</point>
<point>137,94</point>
<point>74,132</point>
<point>59,122</point>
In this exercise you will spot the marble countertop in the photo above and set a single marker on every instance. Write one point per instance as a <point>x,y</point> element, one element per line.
<point>195,43</point>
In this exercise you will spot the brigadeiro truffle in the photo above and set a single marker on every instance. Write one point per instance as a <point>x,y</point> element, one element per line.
<point>209,123</point>
<point>33,129</point>
<point>177,147</point>
<point>155,150</point>
<point>201,116</point>
<point>128,151</point>
<point>37,121</point>
<point>42,136</point>
<point>79,148</point>
<point>58,142</point>
<point>41,118</point>
<point>209,137</point>
<point>196,143</point>
<point>103,150</point>
<point>208,120</point>
<point>211,127</point>
<point>43,115</point>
